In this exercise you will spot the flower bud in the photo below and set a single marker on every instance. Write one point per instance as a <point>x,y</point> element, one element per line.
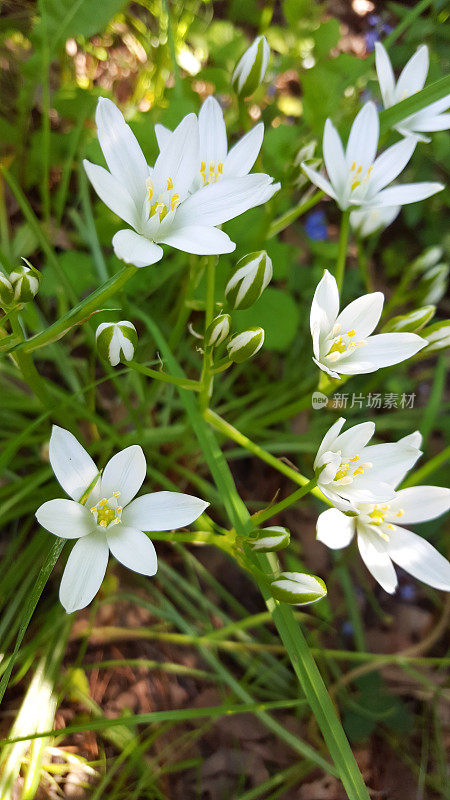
<point>218,331</point>
<point>6,291</point>
<point>251,68</point>
<point>298,588</point>
<point>437,336</point>
<point>116,341</point>
<point>433,285</point>
<point>25,282</point>
<point>271,539</point>
<point>245,345</point>
<point>412,322</point>
<point>249,279</point>
<point>427,259</point>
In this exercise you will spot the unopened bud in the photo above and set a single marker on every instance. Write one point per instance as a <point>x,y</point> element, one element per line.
<point>249,279</point>
<point>433,285</point>
<point>427,259</point>
<point>25,282</point>
<point>412,322</point>
<point>251,68</point>
<point>269,540</point>
<point>366,222</point>
<point>437,336</point>
<point>245,345</point>
<point>6,291</point>
<point>218,331</point>
<point>116,341</point>
<point>298,588</point>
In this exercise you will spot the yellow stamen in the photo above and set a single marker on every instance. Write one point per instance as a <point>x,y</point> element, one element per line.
<point>220,168</point>
<point>355,458</point>
<point>351,333</point>
<point>169,184</point>
<point>355,185</point>
<point>174,202</point>
<point>400,512</point>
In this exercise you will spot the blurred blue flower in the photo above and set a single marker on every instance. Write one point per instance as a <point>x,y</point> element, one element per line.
<point>316,226</point>
<point>370,38</point>
<point>347,628</point>
<point>407,592</point>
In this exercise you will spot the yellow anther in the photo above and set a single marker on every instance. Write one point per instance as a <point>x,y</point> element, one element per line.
<point>102,502</point>
<point>351,333</point>
<point>211,167</point>
<point>220,168</point>
<point>391,527</point>
<point>400,512</point>
<point>116,494</point>
<point>174,202</point>
<point>359,170</point>
<point>93,509</point>
<point>342,472</point>
<point>359,471</point>
<point>355,185</point>
<point>149,184</point>
<point>355,458</point>
<point>169,184</point>
<point>119,509</point>
<point>353,166</point>
<point>369,170</point>
<point>202,166</point>
<point>103,523</point>
<point>338,346</point>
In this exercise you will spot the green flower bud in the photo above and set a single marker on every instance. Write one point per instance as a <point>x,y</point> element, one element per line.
<point>271,539</point>
<point>426,260</point>
<point>245,345</point>
<point>249,279</point>
<point>437,336</point>
<point>116,341</point>
<point>251,68</point>
<point>412,322</point>
<point>218,331</point>
<point>433,285</point>
<point>25,281</point>
<point>6,291</point>
<point>298,588</point>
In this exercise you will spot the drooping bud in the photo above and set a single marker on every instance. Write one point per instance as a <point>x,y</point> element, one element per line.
<point>437,336</point>
<point>218,331</point>
<point>251,68</point>
<point>298,588</point>
<point>412,322</point>
<point>252,274</point>
<point>6,291</point>
<point>25,281</point>
<point>116,341</point>
<point>245,345</point>
<point>271,539</point>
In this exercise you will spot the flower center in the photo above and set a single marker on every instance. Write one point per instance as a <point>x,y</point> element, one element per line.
<point>349,470</point>
<point>166,200</point>
<point>343,343</point>
<point>107,511</point>
<point>377,516</point>
<point>358,176</point>
<point>211,175</point>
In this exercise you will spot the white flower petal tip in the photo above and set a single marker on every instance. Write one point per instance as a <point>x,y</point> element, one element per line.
<point>163,511</point>
<point>335,529</point>
<point>84,572</point>
<point>73,467</point>
<point>297,588</point>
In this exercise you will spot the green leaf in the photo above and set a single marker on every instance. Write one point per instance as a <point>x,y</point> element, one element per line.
<point>392,116</point>
<point>64,19</point>
<point>277,313</point>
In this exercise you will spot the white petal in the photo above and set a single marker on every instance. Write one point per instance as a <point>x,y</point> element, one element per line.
<point>213,133</point>
<point>329,438</point>
<point>133,549</point>
<point>433,109</point>
<point>414,74</point>
<point>244,153</point>
<point>419,558</point>
<point>325,304</point>
<point>418,504</point>
<point>65,518</point>
<point>179,158</point>
<point>385,74</point>
<point>111,192</point>
<point>120,147</point>
<point>319,180</point>
<point>221,201</point>
<point>405,193</point>
<point>163,511</point>
<point>84,572</point>
<point>200,240</point>
<point>335,529</point>
<point>362,315</point>
<point>390,461</point>
<point>162,135</point>
<point>135,249</point>
<point>124,473</point>
<point>74,468</point>
<point>367,221</point>
<point>363,140</point>
<point>439,123</point>
<point>375,556</point>
<point>390,164</point>
<point>334,157</point>
<point>351,442</point>
<point>385,349</point>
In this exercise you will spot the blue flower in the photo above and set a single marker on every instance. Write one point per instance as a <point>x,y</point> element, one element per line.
<point>316,226</point>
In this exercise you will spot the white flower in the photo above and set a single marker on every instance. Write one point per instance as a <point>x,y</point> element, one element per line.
<point>215,161</point>
<point>251,68</point>
<point>381,541</point>
<point>342,342</point>
<point>356,177</point>
<point>116,340</point>
<point>108,519</point>
<point>350,472</point>
<point>412,79</point>
<point>365,222</point>
<point>156,201</point>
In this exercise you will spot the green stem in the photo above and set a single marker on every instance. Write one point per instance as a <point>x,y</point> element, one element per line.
<point>236,436</point>
<point>183,383</point>
<point>342,249</point>
<point>419,475</point>
<point>294,213</point>
<point>363,264</point>
<point>79,313</point>
<point>26,365</point>
<point>206,378</point>
<point>277,508</point>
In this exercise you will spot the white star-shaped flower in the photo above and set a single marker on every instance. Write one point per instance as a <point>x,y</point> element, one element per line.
<point>108,518</point>
<point>342,342</point>
<point>412,79</point>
